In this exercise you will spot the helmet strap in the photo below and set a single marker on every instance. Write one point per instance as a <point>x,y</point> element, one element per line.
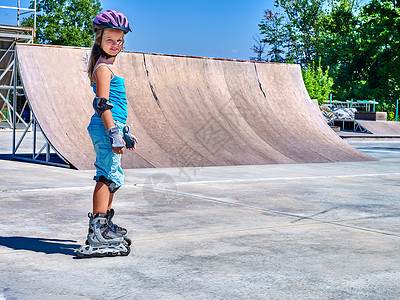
<point>104,54</point>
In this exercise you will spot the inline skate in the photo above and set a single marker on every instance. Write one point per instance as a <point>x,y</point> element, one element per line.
<point>102,240</point>
<point>117,229</point>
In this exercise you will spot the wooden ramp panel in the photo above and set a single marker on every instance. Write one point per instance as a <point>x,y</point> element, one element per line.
<point>390,128</point>
<point>185,111</point>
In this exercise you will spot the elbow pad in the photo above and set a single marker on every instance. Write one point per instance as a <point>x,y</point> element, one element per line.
<point>100,105</point>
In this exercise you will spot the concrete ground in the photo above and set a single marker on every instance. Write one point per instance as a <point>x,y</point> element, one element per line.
<point>309,231</point>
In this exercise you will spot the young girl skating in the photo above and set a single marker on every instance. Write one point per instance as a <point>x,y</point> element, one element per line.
<point>109,135</point>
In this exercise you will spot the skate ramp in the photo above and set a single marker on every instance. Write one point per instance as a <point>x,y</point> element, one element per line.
<point>388,128</point>
<point>185,111</point>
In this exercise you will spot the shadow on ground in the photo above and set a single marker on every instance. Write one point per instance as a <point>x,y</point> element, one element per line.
<point>6,157</point>
<point>52,159</point>
<point>48,246</point>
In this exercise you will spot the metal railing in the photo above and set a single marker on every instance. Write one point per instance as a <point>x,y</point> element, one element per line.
<point>46,154</point>
<point>25,10</point>
<point>41,149</point>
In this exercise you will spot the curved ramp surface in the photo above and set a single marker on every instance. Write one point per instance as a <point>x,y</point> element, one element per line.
<point>185,111</point>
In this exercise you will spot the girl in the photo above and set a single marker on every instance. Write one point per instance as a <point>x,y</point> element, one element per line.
<point>109,135</point>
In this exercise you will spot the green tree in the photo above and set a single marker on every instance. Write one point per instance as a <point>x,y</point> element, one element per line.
<point>378,62</point>
<point>362,47</point>
<point>271,27</point>
<point>64,22</point>
<point>296,36</point>
<point>259,50</point>
<point>340,42</point>
<point>358,46</point>
<point>318,82</point>
<point>303,24</point>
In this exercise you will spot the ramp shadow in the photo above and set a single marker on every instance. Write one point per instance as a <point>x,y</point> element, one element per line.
<point>40,159</point>
<point>6,156</point>
<point>48,246</point>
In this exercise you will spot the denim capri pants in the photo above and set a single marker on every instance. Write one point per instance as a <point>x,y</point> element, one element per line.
<point>107,162</point>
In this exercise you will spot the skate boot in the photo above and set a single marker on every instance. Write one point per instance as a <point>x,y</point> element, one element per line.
<point>117,229</point>
<point>101,240</point>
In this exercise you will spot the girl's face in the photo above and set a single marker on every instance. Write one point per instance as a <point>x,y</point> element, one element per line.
<point>113,40</point>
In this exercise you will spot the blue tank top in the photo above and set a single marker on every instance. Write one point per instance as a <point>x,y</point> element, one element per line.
<point>117,97</point>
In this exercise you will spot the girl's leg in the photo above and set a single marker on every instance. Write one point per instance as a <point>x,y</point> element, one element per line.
<point>110,200</point>
<point>101,198</point>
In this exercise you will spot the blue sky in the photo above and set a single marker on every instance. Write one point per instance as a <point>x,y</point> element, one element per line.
<point>219,28</point>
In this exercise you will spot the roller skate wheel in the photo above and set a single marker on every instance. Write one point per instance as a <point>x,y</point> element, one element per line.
<point>128,241</point>
<point>127,252</point>
<point>80,253</point>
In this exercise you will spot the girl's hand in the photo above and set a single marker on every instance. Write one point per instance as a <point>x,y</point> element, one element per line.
<point>136,141</point>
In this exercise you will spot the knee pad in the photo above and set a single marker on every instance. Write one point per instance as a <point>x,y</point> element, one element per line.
<point>111,184</point>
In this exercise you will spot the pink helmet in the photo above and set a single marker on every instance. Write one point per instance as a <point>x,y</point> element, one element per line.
<point>111,19</point>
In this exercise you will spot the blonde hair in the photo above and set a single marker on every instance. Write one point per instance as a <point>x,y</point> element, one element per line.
<point>95,54</point>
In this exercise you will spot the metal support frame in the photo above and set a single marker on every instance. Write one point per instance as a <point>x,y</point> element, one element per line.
<point>356,127</point>
<point>359,128</point>
<point>27,10</point>
<point>11,107</point>
<point>9,36</point>
<point>7,59</point>
<point>365,105</point>
<point>46,154</point>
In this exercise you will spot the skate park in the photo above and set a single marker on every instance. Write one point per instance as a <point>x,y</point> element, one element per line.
<point>300,229</point>
<point>283,231</point>
<point>246,193</point>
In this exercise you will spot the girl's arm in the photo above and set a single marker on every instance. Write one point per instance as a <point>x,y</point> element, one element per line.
<point>102,78</point>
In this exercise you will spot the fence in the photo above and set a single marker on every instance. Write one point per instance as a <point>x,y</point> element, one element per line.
<point>361,105</point>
